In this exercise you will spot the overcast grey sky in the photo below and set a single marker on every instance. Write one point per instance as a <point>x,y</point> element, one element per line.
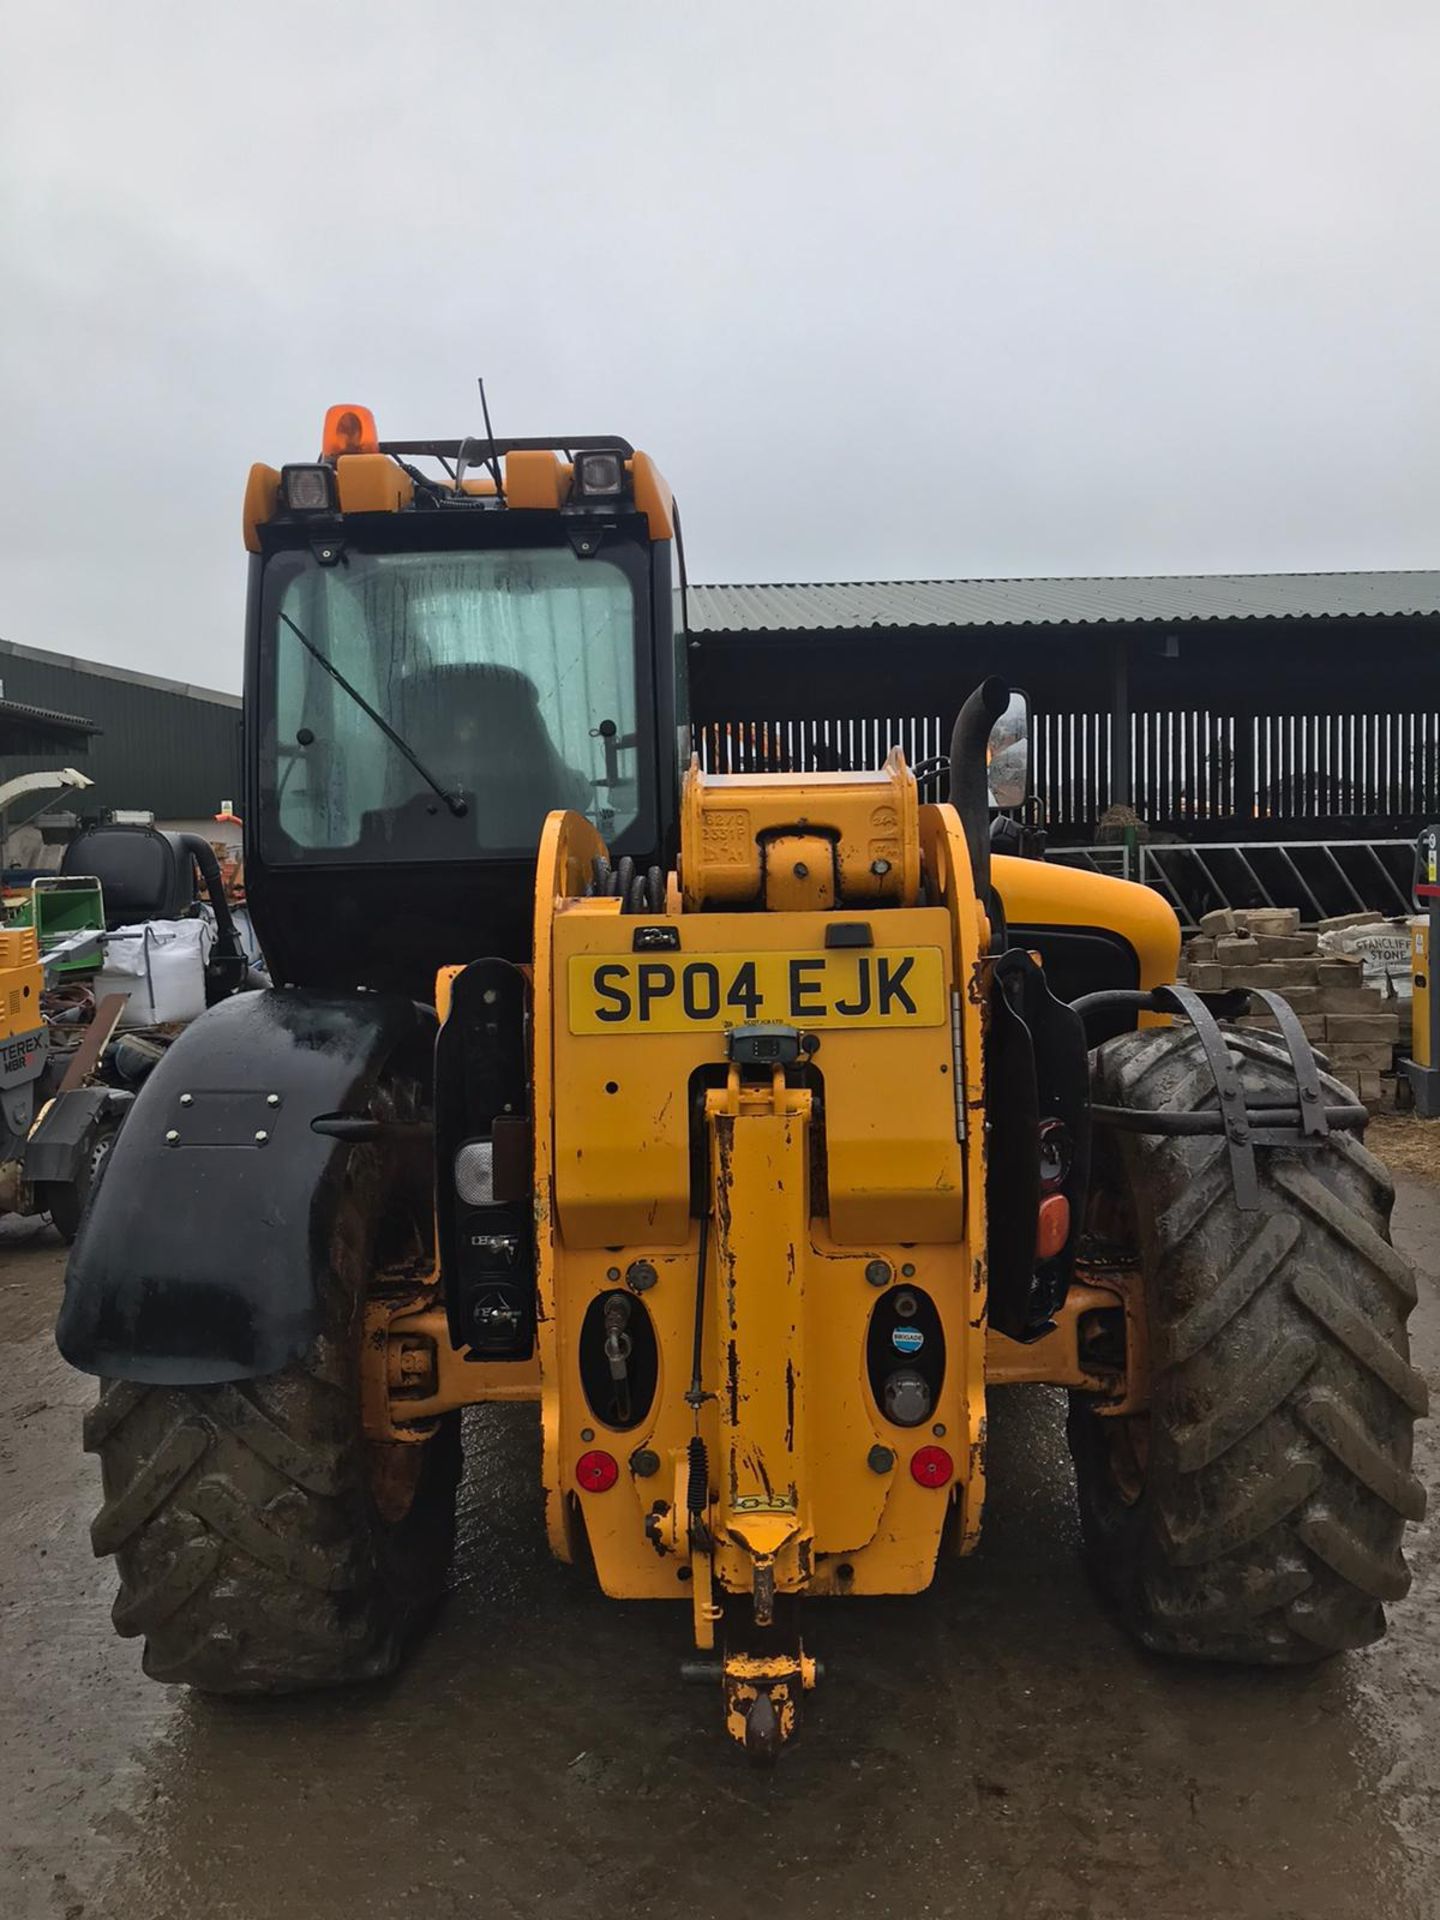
<point>890,290</point>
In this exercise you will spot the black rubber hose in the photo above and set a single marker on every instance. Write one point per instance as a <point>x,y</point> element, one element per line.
<point>970,773</point>
<point>227,941</point>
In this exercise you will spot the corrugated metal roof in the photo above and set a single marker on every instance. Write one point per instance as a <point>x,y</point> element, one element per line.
<point>46,717</point>
<point>102,670</point>
<point>976,603</point>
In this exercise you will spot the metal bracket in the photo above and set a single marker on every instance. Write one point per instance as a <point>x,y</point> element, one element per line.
<point>1308,1120</point>
<point>762,1698</point>
<point>1127,1287</point>
<point>410,1373</point>
<point>1313,1119</point>
<point>1238,1140</point>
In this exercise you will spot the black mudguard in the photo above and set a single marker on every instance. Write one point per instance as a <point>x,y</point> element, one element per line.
<point>197,1260</point>
<point>59,1146</point>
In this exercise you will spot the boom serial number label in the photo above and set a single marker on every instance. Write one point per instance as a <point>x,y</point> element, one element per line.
<point>683,993</point>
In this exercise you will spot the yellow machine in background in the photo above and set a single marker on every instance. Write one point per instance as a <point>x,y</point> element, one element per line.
<point>56,1126</point>
<point>24,1042</point>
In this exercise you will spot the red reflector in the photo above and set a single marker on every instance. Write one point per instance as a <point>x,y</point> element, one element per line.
<point>597,1472</point>
<point>1052,1229</point>
<point>931,1466</point>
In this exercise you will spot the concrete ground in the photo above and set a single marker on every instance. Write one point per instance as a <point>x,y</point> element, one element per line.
<point>995,1748</point>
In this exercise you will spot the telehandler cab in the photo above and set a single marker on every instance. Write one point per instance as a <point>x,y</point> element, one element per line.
<point>756,1126</point>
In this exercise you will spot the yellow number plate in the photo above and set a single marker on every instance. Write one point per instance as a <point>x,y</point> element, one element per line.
<point>703,992</point>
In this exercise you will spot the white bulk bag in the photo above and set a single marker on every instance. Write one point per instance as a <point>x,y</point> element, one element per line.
<point>160,964</point>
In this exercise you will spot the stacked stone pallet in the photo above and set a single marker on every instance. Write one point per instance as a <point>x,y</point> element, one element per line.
<point>1347,1021</point>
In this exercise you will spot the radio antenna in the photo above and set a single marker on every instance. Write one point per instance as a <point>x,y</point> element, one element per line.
<point>494,460</point>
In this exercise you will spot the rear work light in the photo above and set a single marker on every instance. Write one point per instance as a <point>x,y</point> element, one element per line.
<point>475,1173</point>
<point>348,430</point>
<point>599,476</point>
<point>308,489</point>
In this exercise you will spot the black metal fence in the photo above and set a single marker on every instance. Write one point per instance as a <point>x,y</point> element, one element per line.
<point>1200,772</point>
<point>818,746</point>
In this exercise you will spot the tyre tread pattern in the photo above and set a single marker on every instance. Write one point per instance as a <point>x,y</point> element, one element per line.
<point>248,1555</point>
<point>1282,1396</point>
<point>251,1555</point>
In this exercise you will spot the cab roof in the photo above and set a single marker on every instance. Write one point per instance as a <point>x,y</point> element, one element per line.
<point>357,472</point>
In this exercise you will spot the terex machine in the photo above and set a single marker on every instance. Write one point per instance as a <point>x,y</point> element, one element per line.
<point>758,1127</point>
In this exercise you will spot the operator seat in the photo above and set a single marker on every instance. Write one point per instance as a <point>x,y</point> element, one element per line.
<point>144,874</point>
<point>479,728</point>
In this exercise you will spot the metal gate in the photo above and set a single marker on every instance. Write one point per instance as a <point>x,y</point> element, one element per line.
<point>1320,878</point>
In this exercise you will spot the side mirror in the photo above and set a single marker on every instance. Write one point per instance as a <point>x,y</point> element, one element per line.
<point>1007,755</point>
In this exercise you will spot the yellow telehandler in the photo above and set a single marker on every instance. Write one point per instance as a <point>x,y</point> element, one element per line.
<point>756,1126</point>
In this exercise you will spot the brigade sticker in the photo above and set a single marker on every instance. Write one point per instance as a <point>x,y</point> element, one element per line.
<point>907,1339</point>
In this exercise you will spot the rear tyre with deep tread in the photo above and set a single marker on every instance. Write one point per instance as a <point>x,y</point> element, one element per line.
<point>1264,1523</point>
<point>252,1554</point>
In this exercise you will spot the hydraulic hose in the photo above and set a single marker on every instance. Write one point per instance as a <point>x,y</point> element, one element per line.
<point>227,940</point>
<point>970,775</point>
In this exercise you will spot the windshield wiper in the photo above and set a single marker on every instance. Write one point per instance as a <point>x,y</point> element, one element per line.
<point>453,801</point>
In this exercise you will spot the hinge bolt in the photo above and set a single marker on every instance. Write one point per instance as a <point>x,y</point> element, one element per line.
<point>172,1138</point>
<point>187,1099</point>
<point>272,1099</point>
<point>261,1136</point>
